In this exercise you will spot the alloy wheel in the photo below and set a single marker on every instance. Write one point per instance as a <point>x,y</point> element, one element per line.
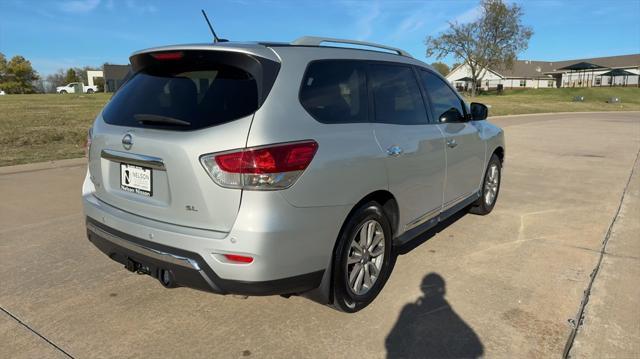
<point>366,257</point>
<point>491,185</point>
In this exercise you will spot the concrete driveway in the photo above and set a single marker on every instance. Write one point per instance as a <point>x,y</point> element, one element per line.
<point>503,285</point>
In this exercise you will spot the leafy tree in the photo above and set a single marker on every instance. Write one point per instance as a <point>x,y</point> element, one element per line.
<point>17,76</point>
<point>71,76</point>
<point>441,67</point>
<point>492,41</point>
<point>3,67</point>
<point>99,82</point>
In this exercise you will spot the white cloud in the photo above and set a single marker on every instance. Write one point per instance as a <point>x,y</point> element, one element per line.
<point>470,15</point>
<point>366,14</point>
<point>141,7</point>
<point>409,24</point>
<point>79,6</point>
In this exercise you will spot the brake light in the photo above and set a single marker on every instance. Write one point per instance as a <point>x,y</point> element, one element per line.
<point>260,168</point>
<point>168,55</point>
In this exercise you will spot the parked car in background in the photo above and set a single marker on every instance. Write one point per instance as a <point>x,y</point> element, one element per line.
<point>76,86</point>
<point>2,93</point>
<point>282,168</point>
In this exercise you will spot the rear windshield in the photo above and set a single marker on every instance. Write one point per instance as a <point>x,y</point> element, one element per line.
<point>186,94</point>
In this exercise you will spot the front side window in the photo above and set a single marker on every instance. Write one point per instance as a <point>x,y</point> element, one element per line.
<point>334,91</point>
<point>446,106</point>
<point>396,95</point>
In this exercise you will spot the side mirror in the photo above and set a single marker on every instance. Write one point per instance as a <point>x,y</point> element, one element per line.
<point>479,111</point>
<point>452,115</point>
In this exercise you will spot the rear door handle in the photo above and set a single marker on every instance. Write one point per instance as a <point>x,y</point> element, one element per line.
<point>452,143</point>
<point>394,151</point>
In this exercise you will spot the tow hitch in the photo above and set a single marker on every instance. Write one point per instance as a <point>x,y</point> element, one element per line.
<point>133,266</point>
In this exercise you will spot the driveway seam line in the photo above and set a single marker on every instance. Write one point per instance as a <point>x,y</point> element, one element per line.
<point>36,333</point>
<point>578,320</point>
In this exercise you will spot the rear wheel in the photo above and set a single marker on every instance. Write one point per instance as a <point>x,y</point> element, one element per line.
<point>362,261</point>
<point>63,92</point>
<point>490,188</point>
<point>90,91</point>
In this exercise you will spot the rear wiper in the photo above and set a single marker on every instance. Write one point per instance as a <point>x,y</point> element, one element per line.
<point>158,119</point>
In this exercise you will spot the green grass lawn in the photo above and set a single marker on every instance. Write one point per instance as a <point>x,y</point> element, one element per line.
<point>514,102</point>
<point>36,128</point>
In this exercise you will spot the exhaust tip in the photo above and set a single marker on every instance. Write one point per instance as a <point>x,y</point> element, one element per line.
<point>166,278</point>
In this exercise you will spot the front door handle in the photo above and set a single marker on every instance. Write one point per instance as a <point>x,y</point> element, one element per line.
<point>394,151</point>
<point>452,143</point>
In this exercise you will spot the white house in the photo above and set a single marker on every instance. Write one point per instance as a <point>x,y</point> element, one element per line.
<point>546,74</point>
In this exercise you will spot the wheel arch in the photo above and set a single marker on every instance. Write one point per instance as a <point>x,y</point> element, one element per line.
<point>324,293</point>
<point>499,151</point>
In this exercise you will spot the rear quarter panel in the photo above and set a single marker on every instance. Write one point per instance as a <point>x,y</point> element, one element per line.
<point>347,165</point>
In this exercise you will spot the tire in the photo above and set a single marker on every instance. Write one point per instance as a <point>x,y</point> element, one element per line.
<point>63,92</point>
<point>490,188</point>
<point>369,218</point>
<point>89,91</point>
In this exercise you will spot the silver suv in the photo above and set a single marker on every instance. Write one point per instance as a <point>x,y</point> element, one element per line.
<point>282,168</point>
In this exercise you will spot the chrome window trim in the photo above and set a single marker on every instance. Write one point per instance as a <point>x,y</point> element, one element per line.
<point>134,159</point>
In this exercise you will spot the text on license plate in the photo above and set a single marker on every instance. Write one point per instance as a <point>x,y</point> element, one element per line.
<point>136,179</point>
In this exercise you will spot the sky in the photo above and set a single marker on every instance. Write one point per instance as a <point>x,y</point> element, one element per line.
<point>68,33</point>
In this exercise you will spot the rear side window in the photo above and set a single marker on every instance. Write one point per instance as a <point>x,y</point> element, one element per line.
<point>396,95</point>
<point>444,102</point>
<point>334,91</point>
<point>186,94</point>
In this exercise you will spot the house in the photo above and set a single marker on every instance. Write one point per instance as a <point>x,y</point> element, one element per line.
<point>115,76</point>
<point>593,72</point>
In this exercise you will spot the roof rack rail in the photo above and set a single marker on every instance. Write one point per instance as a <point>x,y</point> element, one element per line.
<point>317,41</point>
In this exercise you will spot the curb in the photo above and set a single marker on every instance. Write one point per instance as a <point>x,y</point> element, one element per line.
<point>41,166</point>
<point>560,113</point>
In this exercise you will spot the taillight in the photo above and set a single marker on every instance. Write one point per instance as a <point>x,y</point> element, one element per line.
<point>87,144</point>
<point>260,168</point>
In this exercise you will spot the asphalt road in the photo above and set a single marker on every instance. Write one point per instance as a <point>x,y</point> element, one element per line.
<point>503,285</point>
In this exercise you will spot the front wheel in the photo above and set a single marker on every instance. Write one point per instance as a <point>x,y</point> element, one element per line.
<point>89,91</point>
<point>362,259</point>
<point>490,188</point>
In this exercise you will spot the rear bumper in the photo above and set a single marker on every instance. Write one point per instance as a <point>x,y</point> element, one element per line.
<point>187,269</point>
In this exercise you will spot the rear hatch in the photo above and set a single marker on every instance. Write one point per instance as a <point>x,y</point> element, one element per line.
<point>178,105</point>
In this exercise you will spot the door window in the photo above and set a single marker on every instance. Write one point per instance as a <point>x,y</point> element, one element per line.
<point>396,95</point>
<point>445,104</point>
<point>334,91</point>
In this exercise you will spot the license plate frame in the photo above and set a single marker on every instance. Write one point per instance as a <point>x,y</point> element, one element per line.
<point>134,175</point>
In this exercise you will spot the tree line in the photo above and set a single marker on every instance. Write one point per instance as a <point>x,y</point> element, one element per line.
<point>17,76</point>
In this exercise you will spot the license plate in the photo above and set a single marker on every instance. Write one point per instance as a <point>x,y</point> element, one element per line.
<point>136,179</point>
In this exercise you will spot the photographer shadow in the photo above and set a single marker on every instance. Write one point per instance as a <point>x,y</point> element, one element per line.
<point>430,328</point>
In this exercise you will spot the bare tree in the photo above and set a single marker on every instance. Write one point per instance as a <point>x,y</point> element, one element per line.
<point>492,41</point>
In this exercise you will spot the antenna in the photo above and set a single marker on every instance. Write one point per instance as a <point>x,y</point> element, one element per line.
<point>215,37</point>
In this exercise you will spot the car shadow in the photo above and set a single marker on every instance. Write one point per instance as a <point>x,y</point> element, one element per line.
<point>430,328</point>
